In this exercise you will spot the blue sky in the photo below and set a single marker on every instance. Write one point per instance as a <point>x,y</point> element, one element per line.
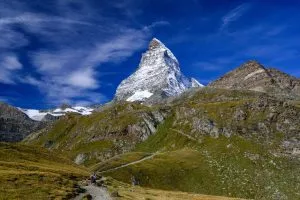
<point>77,52</point>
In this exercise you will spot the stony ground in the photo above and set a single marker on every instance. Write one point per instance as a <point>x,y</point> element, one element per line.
<point>97,193</point>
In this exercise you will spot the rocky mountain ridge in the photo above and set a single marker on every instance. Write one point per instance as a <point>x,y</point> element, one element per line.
<point>254,76</point>
<point>15,125</point>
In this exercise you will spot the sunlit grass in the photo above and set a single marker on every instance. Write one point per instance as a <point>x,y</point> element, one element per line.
<point>29,172</point>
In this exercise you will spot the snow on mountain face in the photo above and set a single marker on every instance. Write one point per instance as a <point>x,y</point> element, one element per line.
<point>38,115</point>
<point>140,96</point>
<point>34,114</point>
<point>196,83</point>
<point>158,71</point>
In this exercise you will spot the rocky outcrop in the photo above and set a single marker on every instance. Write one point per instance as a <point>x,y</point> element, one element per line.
<point>254,76</point>
<point>148,125</point>
<point>125,139</point>
<point>15,125</point>
<point>263,119</point>
<point>289,83</point>
<point>158,74</point>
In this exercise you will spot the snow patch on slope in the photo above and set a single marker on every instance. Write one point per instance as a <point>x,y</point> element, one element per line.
<point>196,83</point>
<point>34,114</point>
<point>140,96</point>
<point>254,73</point>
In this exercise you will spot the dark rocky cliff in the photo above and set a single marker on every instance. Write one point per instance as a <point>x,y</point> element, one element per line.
<point>15,125</point>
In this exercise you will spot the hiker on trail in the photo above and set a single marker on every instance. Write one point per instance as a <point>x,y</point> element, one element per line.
<point>93,178</point>
<point>134,181</point>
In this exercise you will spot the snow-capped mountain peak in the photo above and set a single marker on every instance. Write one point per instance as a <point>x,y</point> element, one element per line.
<point>158,73</point>
<point>157,45</point>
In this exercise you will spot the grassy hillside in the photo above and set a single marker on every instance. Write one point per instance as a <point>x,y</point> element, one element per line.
<point>114,130</point>
<point>216,142</point>
<point>224,166</point>
<point>28,172</point>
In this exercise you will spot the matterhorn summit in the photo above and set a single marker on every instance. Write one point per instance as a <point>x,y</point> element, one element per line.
<point>158,74</point>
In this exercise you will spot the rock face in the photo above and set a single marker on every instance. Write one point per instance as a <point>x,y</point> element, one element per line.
<point>263,120</point>
<point>15,125</point>
<point>158,74</point>
<point>287,82</point>
<point>254,76</point>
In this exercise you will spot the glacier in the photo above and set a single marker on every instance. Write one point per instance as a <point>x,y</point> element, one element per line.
<point>39,115</point>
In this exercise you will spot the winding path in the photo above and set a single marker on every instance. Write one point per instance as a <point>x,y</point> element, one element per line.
<point>131,163</point>
<point>148,157</point>
<point>184,134</point>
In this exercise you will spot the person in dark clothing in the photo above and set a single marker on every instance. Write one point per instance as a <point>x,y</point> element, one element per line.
<point>93,178</point>
<point>134,181</point>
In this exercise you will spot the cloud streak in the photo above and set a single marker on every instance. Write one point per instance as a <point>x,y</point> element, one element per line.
<point>234,15</point>
<point>9,66</point>
<point>31,18</point>
<point>76,72</point>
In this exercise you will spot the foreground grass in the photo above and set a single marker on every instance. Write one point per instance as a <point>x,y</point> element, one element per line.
<point>29,172</point>
<point>128,192</point>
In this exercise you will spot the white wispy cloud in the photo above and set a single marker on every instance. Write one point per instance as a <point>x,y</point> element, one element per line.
<point>11,62</point>
<point>9,65</point>
<point>83,78</point>
<point>11,39</point>
<point>157,24</point>
<point>31,18</point>
<point>74,72</point>
<point>70,70</point>
<point>234,14</point>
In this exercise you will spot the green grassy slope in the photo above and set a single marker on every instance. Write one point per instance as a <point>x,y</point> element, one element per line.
<point>225,166</point>
<point>98,136</point>
<point>218,142</point>
<point>30,172</point>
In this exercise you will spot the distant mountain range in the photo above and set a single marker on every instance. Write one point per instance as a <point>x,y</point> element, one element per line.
<point>46,115</point>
